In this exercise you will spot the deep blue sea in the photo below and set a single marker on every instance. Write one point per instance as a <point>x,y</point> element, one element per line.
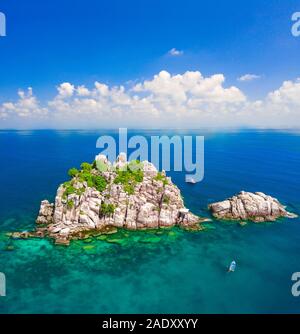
<point>170,271</point>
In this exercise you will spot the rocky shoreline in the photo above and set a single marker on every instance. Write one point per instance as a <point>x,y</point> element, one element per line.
<point>102,197</point>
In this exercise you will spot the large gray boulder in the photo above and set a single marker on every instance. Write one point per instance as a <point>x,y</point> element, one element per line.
<point>257,207</point>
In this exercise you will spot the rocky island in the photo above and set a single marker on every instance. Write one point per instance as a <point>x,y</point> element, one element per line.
<point>102,196</point>
<point>256,207</point>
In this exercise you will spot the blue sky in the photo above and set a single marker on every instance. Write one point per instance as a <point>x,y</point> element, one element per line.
<point>116,41</point>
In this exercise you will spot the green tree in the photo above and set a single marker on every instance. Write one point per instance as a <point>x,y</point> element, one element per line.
<point>85,166</point>
<point>130,177</point>
<point>100,183</point>
<point>73,172</point>
<point>107,209</point>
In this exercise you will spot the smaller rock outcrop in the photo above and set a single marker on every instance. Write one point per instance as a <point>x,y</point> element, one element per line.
<point>46,213</point>
<point>257,207</point>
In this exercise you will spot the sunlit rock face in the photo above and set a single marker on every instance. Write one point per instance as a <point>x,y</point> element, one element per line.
<point>257,207</point>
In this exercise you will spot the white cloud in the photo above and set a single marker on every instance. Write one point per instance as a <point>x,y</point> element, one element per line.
<point>175,52</point>
<point>287,94</point>
<point>82,91</point>
<point>189,89</point>
<point>65,90</point>
<point>249,77</point>
<point>183,100</point>
<point>26,107</point>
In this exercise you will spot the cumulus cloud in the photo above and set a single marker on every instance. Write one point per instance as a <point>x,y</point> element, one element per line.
<point>287,94</point>
<point>27,106</point>
<point>82,91</point>
<point>249,77</point>
<point>175,52</point>
<point>188,100</point>
<point>65,90</point>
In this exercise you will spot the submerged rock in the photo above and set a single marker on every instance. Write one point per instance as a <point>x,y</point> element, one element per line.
<point>104,197</point>
<point>62,241</point>
<point>116,241</point>
<point>257,207</point>
<point>88,247</point>
<point>150,240</point>
<point>193,228</point>
<point>10,248</point>
<point>20,235</point>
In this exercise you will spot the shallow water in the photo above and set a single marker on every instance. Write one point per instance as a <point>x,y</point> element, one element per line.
<point>153,272</point>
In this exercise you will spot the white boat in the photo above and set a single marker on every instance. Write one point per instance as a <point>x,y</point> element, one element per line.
<point>232,267</point>
<point>191,180</point>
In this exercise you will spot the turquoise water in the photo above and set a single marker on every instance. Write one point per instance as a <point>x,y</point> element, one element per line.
<point>154,272</point>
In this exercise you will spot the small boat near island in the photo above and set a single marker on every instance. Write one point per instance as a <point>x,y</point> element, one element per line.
<point>191,180</point>
<point>232,267</point>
